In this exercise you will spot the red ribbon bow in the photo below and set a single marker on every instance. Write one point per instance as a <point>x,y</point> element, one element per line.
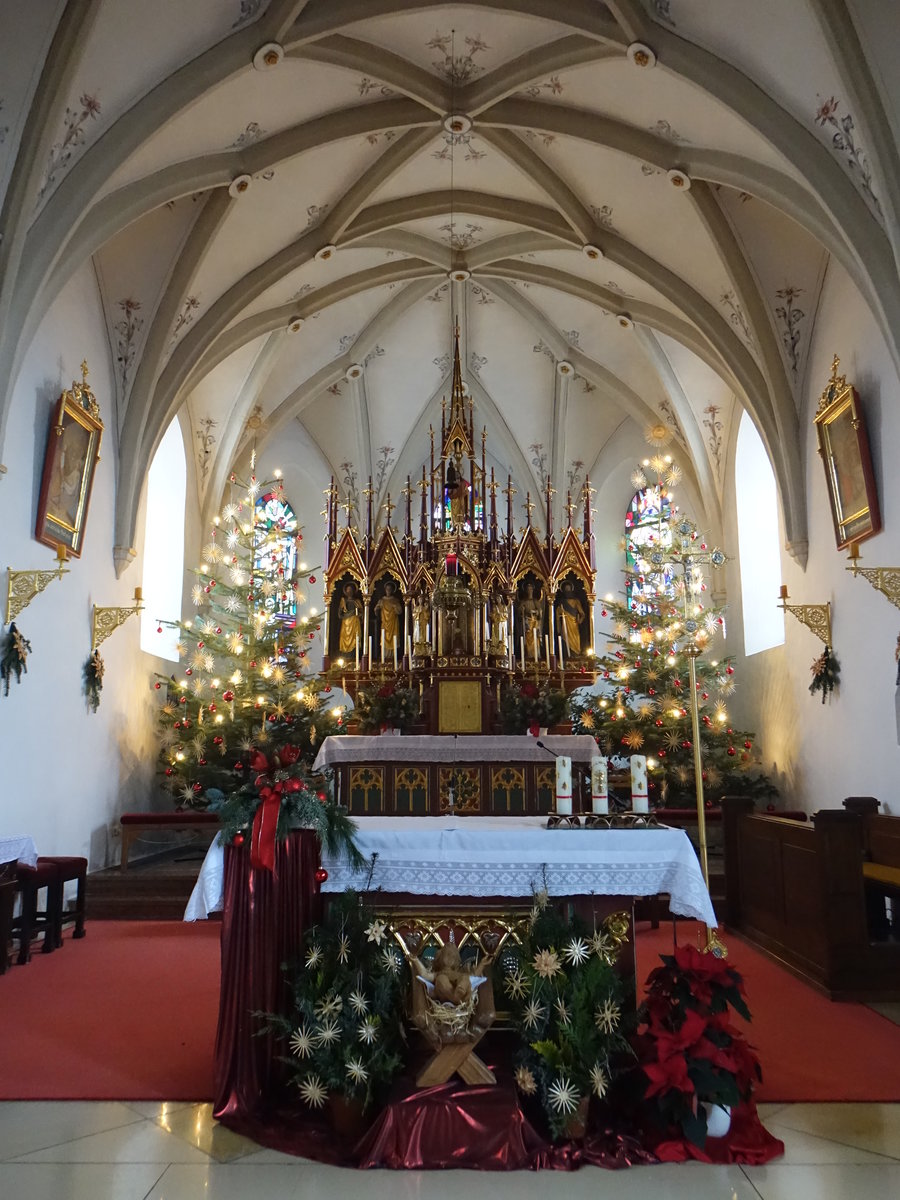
<point>265,822</point>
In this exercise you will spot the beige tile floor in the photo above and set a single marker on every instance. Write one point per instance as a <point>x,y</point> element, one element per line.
<point>147,1151</point>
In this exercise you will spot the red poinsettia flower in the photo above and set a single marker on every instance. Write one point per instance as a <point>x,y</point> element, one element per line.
<point>529,690</point>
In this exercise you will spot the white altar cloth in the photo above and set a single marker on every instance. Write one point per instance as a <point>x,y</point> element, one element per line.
<point>346,748</point>
<point>503,856</point>
<point>21,849</point>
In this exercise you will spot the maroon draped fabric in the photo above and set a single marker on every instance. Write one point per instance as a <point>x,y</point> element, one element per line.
<point>265,917</point>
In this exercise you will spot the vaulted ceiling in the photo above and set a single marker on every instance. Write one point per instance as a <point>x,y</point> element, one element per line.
<point>628,210</point>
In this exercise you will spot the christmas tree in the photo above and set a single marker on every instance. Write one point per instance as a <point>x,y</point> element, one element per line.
<point>244,716</point>
<point>663,622</point>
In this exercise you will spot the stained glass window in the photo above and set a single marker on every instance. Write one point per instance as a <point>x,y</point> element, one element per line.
<point>646,526</point>
<point>275,539</point>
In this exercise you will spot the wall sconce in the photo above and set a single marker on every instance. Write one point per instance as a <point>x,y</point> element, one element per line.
<point>107,620</point>
<point>816,617</point>
<point>884,579</point>
<point>23,586</point>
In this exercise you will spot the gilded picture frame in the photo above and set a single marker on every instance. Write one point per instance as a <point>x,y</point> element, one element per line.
<point>70,462</point>
<point>844,447</point>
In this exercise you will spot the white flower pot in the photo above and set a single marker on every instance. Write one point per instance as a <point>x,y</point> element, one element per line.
<point>718,1119</point>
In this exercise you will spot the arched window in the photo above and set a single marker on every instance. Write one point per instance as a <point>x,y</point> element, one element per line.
<point>163,577</point>
<point>646,524</point>
<point>758,541</point>
<point>275,539</point>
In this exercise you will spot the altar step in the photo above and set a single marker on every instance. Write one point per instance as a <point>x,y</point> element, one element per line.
<point>152,889</point>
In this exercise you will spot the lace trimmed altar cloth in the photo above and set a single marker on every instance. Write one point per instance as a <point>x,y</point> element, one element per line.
<point>515,856</point>
<point>349,748</point>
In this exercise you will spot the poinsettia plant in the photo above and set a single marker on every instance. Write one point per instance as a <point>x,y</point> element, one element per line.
<point>569,1009</point>
<point>387,706</point>
<point>527,706</point>
<point>689,1051</point>
<point>344,1033</point>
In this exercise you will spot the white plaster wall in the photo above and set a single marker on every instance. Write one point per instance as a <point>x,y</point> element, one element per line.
<point>848,747</point>
<point>67,772</point>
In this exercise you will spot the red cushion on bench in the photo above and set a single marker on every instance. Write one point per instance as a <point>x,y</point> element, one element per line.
<point>188,817</point>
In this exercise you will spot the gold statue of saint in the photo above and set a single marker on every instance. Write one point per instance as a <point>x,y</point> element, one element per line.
<point>349,610</point>
<point>532,609</point>
<point>570,615</point>
<point>389,610</point>
<point>499,622</point>
<point>421,617</point>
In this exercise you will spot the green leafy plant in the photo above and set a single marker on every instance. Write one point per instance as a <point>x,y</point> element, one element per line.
<point>344,1034</point>
<point>388,706</point>
<point>687,1048</point>
<point>569,1009</point>
<point>527,706</point>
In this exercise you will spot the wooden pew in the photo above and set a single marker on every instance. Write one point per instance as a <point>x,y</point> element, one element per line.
<point>798,892</point>
<point>881,865</point>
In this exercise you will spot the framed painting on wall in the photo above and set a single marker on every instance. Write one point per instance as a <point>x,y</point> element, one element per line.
<point>844,447</point>
<point>73,451</point>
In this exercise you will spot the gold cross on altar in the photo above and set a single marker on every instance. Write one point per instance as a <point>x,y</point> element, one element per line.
<point>570,507</point>
<point>529,505</point>
<point>389,508</point>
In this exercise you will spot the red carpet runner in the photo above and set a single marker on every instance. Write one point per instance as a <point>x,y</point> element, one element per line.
<point>129,1013</point>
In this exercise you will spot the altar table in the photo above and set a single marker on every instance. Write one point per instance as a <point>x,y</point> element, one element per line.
<point>422,775</point>
<point>516,856</point>
<point>18,849</point>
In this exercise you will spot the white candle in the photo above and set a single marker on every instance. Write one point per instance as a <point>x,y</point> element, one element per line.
<point>409,647</point>
<point>535,638</point>
<point>564,786</point>
<point>639,803</point>
<point>547,649</point>
<point>382,645</point>
<point>394,643</point>
<point>522,652</point>
<point>559,647</point>
<point>599,784</point>
<point>370,652</point>
<point>357,652</point>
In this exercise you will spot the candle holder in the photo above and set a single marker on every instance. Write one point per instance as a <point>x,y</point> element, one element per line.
<point>568,821</point>
<point>23,586</point>
<point>106,621</point>
<point>816,617</point>
<point>884,579</point>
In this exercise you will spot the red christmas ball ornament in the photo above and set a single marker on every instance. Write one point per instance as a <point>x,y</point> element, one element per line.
<point>311,636</point>
<point>658,723</point>
<point>157,686</point>
<point>200,645</point>
<point>253,663</point>
<point>182,699</point>
<point>327,689</point>
<point>322,796</point>
<point>201,762</point>
<point>159,629</point>
<point>238,766</point>
<point>168,770</point>
<point>729,731</point>
<point>312,579</point>
<point>748,745</point>
<point>661,754</point>
<point>321,875</point>
<point>218,740</point>
<point>731,751</point>
<point>177,725</point>
<point>676,683</point>
<point>186,723</point>
<point>212,583</point>
<point>704,695</point>
<point>189,671</point>
<point>602,612</point>
<point>206,589</point>
<point>212,708</point>
<point>729,670</point>
<point>218,629</point>
<point>229,695</point>
<point>237,840</point>
<point>651,691</point>
<point>198,787</point>
<point>685,745</point>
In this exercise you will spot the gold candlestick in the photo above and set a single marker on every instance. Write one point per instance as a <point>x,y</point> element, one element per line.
<point>816,617</point>
<point>106,621</point>
<point>884,579</point>
<point>23,586</point>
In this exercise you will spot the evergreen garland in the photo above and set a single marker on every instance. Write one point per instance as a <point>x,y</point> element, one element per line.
<point>13,658</point>
<point>826,674</point>
<point>93,679</point>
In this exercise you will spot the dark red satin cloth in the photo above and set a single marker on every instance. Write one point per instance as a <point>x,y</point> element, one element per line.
<point>264,919</point>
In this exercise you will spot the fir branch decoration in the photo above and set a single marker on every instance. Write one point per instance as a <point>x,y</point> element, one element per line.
<point>344,1034</point>
<point>13,658</point>
<point>528,706</point>
<point>386,707</point>
<point>93,679</point>
<point>826,674</point>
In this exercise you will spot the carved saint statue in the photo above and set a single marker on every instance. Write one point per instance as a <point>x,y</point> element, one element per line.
<point>457,493</point>
<point>499,622</point>
<point>349,610</point>
<point>389,609</point>
<point>570,615</point>
<point>421,610</point>
<point>532,610</point>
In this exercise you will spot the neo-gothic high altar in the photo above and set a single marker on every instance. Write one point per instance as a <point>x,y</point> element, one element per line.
<point>464,604</point>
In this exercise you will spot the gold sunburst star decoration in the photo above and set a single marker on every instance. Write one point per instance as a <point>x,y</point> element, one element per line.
<point>657,434</point>
<point>546,963</point>
<point>586,720</point>
<point>634,740</point>
<point>525,1081</point>
<point>671,740</point>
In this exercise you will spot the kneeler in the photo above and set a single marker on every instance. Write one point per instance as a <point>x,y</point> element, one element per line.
<point>454,1051</point>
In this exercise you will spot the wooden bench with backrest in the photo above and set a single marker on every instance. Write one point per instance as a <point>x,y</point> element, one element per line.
<point>881,864</point>
<point>799,892</point>
<point>188,820</point>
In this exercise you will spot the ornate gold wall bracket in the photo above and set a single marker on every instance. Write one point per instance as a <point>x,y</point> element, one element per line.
<point>884,579</point>
<point>816,617</point>
<point>106,621</point>
<point>23,586</point>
